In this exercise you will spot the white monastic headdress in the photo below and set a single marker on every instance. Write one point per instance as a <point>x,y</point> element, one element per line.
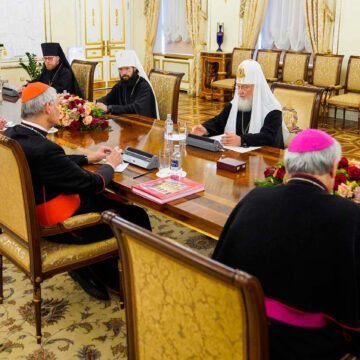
<point>250,72</point>
<point>129,58</point>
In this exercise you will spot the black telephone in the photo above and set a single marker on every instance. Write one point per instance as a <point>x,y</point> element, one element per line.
<point>10,92</point>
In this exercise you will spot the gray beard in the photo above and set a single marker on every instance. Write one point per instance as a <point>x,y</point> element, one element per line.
<point>244,105</point>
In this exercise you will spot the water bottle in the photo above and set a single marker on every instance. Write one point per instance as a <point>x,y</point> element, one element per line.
<point>169,127</point>
<point>176,161</point>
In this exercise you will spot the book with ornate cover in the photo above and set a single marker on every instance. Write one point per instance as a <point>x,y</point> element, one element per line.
<point>167,189</point>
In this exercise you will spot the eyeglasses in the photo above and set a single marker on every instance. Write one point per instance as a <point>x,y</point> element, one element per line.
<point>49,58</point>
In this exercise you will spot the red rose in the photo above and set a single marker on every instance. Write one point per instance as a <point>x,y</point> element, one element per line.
<point>81,110</point>
<point>75,125</point>
<point>343,163</point>
<point>270,171</point>
<point>71,105</point>
<point>95,122</point>
<point>354,173</point>
<point>82,102</point>
<point>339,179</point>
<point>66,97</point>
<point>104,125</point>
<point>77,101</point>
<point>280,173</point>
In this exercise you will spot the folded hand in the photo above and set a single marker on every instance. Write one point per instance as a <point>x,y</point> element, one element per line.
<point>231,139</point>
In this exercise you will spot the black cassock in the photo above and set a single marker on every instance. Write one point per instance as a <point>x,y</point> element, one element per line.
<point>131,99</point>
<point>61,78</point>
<point>269,135</point>
<point>302,243</point>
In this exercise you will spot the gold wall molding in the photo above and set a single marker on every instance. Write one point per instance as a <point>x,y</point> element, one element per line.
<point>93,18</point>
<point>165,61</point>
<point>117,22</point>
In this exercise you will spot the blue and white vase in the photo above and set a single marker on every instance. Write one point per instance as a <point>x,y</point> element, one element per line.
<point>220,36</point>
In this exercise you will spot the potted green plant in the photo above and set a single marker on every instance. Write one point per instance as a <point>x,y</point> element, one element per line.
<point>33,68</point>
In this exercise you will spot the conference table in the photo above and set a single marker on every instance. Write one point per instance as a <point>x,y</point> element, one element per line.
<point>205,212</point>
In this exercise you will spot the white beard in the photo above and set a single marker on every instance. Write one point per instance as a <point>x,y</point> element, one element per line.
<point>245,105</point>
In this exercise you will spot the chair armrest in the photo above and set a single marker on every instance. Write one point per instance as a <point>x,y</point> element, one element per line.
<point>71,224</point>
<point>337,87</point>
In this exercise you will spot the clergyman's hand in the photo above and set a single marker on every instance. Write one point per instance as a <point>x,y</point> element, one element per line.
<point>20,90</point>
<point>2,123</point>
<point>115,158</point>
<point>101,106</point>
<point>231,139</point>
<point>99,155</point>
<point>199,130</point>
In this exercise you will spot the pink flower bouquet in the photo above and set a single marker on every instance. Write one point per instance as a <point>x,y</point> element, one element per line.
<point>79,114</point>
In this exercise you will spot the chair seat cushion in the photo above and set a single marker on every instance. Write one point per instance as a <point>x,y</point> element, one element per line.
<point>347,100</point>
<point>224,84</point>
<point>54,255</point>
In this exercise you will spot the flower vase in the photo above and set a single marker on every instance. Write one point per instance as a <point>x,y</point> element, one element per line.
<point>220,36</point>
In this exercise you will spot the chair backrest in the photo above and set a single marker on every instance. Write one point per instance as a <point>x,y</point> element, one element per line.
<point>17,205</point>
<point>301,104</point>
<point>327,70</point>
<point>352,82</point>
<point>166,85</point>
<point>269,61</point>
<point>295,66</point>
<point>238,56</point>
<point>182,305</point>
<point>84,74</point>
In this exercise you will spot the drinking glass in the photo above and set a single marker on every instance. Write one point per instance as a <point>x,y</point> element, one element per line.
<point>182,131</point>
<point>164,161</point>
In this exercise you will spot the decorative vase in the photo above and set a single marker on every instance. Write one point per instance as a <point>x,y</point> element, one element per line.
<point>220,35</point>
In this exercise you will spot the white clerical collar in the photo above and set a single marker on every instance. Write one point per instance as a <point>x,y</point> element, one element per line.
<point>36,126</point>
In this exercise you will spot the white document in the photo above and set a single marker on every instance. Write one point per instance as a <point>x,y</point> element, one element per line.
<point>121,167</point>
<point>238,149</point>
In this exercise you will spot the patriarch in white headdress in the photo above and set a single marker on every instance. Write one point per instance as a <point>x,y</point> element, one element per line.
<point>262,102</point>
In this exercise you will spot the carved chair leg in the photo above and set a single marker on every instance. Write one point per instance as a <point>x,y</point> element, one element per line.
<point>343,125</point>
<point>326,114</point>
<point>121,284</point>
<point>37,306</point>
<point>1,280</point>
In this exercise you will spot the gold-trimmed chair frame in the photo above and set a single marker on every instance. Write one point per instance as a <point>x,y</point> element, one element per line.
<point>92,65</point>
<point>277,54</point>
<point>346,91</point>
<point>249,286</point>
<point>175,103</point>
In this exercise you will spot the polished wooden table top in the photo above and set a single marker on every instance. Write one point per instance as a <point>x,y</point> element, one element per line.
<point>207,211</point>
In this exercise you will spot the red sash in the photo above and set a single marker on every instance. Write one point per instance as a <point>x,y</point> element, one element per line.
<point>58,209</point>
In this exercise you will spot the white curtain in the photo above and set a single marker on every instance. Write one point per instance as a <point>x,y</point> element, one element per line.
<point>285,27</point>
<point>174,25</point>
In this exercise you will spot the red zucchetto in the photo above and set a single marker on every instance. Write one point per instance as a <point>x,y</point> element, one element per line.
<point>33,90</point>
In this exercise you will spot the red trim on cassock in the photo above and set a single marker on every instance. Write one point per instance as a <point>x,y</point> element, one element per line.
<point>103,183</point>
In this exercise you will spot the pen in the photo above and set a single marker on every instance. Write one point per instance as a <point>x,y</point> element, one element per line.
<point>145,173</point>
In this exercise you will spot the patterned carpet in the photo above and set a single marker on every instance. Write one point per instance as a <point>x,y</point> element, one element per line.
<point>74,325</point>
